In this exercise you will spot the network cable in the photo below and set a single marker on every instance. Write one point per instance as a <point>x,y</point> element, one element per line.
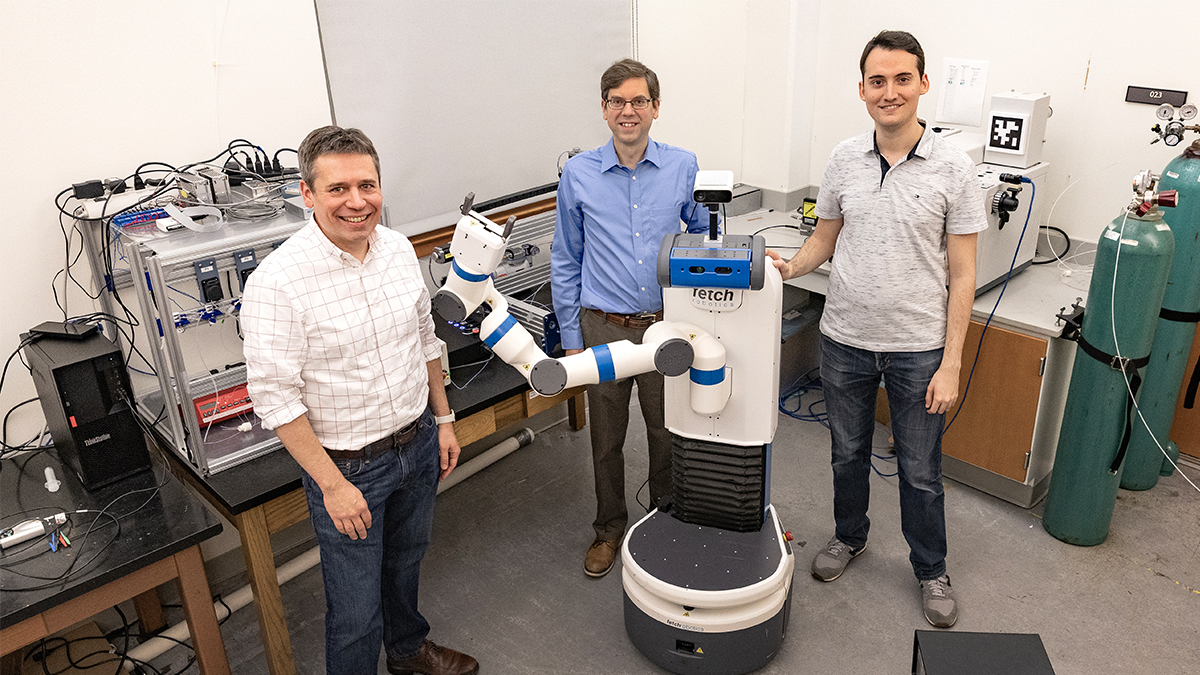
<point>979,349</point>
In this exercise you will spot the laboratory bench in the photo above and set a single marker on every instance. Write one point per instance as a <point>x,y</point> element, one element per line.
<point>157,539</point>
<point>1005,430</point>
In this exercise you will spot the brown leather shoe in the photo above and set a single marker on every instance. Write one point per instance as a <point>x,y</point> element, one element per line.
<point>600,557</point>
<point>434,660</point>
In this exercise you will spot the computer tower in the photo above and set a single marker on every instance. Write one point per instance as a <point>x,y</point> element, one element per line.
<point>85,394</point>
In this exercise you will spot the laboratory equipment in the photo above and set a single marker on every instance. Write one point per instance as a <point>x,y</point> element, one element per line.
<point>1133,258</point>
<point>1172,133</point>
<point>1014,216</point>
<point>1012,145</point>
<point>193,409</point>
<point>1176,330</point>
<point>1016,129</point>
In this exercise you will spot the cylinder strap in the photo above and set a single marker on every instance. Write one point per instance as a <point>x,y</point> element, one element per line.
<point>1134,383</point>
<point>1121,363</point>
<point>1129,367</point>
<point>1189,397</point>
<point>1181,317</point>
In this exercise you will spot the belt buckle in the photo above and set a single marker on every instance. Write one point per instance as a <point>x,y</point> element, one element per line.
<point>644,318</point>
<point>406,433</point>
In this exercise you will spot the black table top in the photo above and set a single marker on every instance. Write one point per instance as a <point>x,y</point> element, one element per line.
<point>153,524</point>
<point>245,486</point>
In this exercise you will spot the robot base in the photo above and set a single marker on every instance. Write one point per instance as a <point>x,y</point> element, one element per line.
<point>684,651</point>
<point>702,600</point>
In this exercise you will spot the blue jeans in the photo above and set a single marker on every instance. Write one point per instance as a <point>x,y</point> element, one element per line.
<point>371,584</point>
<point>850,378</point>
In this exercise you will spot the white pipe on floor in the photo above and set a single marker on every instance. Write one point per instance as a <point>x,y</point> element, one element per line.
<point>156,646</point>
<point>486,458</point>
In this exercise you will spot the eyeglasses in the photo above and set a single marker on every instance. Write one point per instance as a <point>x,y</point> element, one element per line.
<point>638,103</point>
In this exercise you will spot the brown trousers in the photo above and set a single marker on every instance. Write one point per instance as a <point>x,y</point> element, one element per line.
<point>608,403</point>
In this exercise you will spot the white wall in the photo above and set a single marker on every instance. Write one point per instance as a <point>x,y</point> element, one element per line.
<point>738,83</point>
<point>697,49</point>
<point>93,89</point>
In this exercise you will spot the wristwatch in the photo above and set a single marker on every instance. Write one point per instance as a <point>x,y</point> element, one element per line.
<point>444,419</point>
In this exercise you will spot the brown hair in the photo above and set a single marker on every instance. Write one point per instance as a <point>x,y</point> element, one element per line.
<point>626,69</point>
<point>333,140</point>
<point>894,40</point>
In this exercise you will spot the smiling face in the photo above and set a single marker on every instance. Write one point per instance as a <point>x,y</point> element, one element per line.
<point>345,199</point>
<point>891,87</point>
<point>630,128</point>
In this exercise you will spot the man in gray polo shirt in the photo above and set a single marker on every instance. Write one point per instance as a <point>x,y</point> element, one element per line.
<point>899,210</point>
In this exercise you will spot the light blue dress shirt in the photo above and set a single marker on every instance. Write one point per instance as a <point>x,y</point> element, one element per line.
<point>611,223</point>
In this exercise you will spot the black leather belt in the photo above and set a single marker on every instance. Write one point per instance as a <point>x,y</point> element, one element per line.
<point>385,444</point>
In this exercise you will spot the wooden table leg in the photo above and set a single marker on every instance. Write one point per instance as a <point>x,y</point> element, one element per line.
<point>150,613</point>
<point>260,566</point>
<point>10,664</point>
<point>199,612</point>
<point>577,411</point>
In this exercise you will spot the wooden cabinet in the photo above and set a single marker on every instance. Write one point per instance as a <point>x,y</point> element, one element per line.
<point>1004,439</point>
<point>994,426</point>
<point>1186,429</point>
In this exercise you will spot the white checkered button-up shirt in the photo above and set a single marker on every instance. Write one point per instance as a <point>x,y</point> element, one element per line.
<point>342,341</point>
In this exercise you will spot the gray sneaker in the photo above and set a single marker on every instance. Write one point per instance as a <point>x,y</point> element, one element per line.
<point>937,598</point>
<point>830,563</point>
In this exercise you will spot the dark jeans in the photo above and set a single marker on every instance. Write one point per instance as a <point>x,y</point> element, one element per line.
<point>371,584</point>
<point>608,403</point>
<point>851,379</point>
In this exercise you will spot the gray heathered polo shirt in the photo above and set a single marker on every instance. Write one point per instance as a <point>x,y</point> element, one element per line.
<point>887,286</point>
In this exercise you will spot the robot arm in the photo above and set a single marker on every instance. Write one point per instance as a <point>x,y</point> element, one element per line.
<point>711,381</point>
<point>478,247</point>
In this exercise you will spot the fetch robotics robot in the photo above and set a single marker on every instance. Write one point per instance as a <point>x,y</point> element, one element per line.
<point>707,575</point>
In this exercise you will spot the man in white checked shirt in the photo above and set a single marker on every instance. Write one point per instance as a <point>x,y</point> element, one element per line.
<point>344,365</point>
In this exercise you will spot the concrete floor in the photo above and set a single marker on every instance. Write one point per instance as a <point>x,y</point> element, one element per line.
<point>503,579</point>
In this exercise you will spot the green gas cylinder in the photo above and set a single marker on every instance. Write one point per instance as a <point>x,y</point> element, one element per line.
<point>1135,251</point>
<point>1176,327</point>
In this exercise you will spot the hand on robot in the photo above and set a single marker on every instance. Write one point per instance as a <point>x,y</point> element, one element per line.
<point>780,264</point>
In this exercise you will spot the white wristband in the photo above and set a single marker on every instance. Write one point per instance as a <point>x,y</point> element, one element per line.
<point>444,419</point>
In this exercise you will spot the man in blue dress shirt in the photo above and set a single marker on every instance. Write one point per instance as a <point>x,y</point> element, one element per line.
<point>615,205</point>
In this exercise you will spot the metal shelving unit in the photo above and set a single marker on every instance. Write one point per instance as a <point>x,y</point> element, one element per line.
<point>158,261</point>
